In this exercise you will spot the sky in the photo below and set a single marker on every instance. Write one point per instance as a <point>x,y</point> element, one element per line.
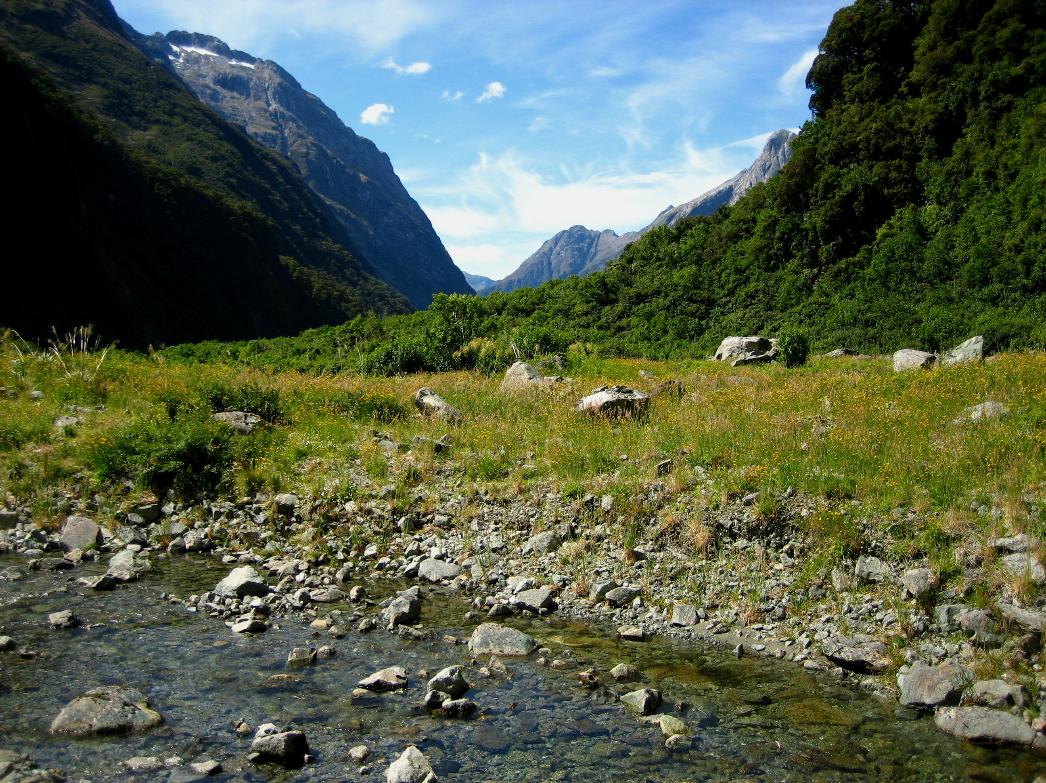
<point>511,121</point>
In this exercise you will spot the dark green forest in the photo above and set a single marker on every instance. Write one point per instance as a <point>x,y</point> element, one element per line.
<point>911,215</point>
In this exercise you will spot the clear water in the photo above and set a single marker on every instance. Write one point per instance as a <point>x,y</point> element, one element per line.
<point>754,719</point>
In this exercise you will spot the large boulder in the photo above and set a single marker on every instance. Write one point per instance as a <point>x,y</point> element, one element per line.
<point>286,748</point>
<point>394,678</point>
<point>522,376</point>
<point>735,347</point>
<point>110,709</point>
<point>80,533</point>
<point>410,767</point>
<point>534,600</point>
<point>984,725</point>
<point>862,654</point>
<point>450,681</point>
<point>127,565</point>
<point>241,582</point>
<point>927,687</point>
<point>437,570</point>
<point>911,359</point>
<point>615,402</point>
<point>404,609</point>
<point>971,350</point>
<point>497,639</point>
<point>432,405</point>
<point>645,701</point>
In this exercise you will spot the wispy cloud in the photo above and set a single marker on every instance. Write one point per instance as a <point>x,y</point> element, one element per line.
<point>377,114</point>
<point>413,69</point>
<point>452,95</point>
<point>493,91</point>
<point>793,81</point>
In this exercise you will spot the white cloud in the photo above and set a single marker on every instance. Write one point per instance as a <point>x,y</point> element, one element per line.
<point>414,69</point>
<point>494,90</point>
<point>603,72</point>
<point>455,95</point>
<point>480,259</point>
<point>537,124</point>
<point>793,81</point>
<point>377,114</point>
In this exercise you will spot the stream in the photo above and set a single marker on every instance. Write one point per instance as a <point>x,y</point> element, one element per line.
<point>753,719</point>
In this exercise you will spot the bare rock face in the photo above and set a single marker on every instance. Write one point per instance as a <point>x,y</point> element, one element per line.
<point>432,405</point>
<point>911,359</point>
<point>110,709</point>
<point>615,402</point>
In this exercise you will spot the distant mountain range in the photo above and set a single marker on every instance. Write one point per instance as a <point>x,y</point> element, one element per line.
<point>385,225</point>
<point>582,251</point>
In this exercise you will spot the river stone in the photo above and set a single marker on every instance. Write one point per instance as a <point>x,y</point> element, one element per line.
<point>615,402</point>
<point>535,600</point>
<point>911,359</point>
<point>622,596</point>
<point>432,405</point>
<point>980,724</point>
<point>926,686</point>
<point>404,609</point>
<point>410,767</point>
<point>996,693</point>
<point>458,708</point>
<point>301,657</point>
<point>359,753</point>
<point>109,709</point>
<point>917,582</point>
<point>437,570</point>
<point>80,533</point>
<point>1026,618</point>
<point>249,625</point>
<point>989,409</point>
<point>1025,564</point>
<point>143,763</point>
<point>393,678</point>
<point>286,748</point>
<point>643,701</point>
<point>63,619</point>
<point>327,595</point>
<point>971,350</point>
<point>735,347</point>
<point>872,569</point>
<point>450,681</point>
<point>625,672</point>
<point>683,615</point>
<point>858,655</point>
<point>127,565</point>
<point>671,726</point>
<point>6,644</point>
<point>542,543</point>
<point>241,421</point>
<point>631,633</point>
<point>497,639</point>
<point>240,582</point>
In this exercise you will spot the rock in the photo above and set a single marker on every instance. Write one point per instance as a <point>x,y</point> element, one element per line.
<point>394,678</point>
<point>327,595</point>
<point>858,655</point>
<point>664,467</point>
<point>917,582</point>
<point>990,409</point>
<point>434,699</point>
<point>644,701</point>
<point>241,582</point>
<point>437,570</point>
<point>671,726</point>
<point>286,748</point>
<point>143,763</point>
<point>286,503</point>
<point>249,625</point>
<point>301,657</point>
<point>1023,564</point>
<point>206,767</point>
<point>683,615</point>
<point>927,687</point>
<point>1026,618</point>
<point>622,596</point>
<point>1018,543</point>
<point>946,616</point>
<point>63,619</point>
<point>678,742</point>
<point>110,709</point>
<point>6,644</point>
<point>410,767</point>
<point>840,353</point>
<point>127,565</point>
<point>535,600</point>
<point>80,533</point>
<point>450,681</point>
<point>598,591</point>
<point>244,423</point>
<point>735,347</point>
<point>625,672</point>
<point>980,724</point>
<point>432,405</point>
<point>542,543</point>
<point>872,569</point>
<point>996,693</point>
<point>979,624</point>
<point>911,359</point>
<point>971,350</point>
<point>457,708</point>
<point>754,358</point>
<point>631,633</point>
<point>62,422</point>
<point>524,376</point>
<point>497,639</point>
<point>404,609</point>
<point>615,402</point>
<point>359,753</point>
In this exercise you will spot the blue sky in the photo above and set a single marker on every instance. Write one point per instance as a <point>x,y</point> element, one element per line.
<point>509,121</point>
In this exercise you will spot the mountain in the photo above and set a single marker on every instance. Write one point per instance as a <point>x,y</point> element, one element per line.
<point>582,251</point>
<point>354,177</point>
<point>143,212</point>
<point>479,283</point>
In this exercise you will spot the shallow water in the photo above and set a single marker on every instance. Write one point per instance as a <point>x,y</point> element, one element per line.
<point>754,719</point>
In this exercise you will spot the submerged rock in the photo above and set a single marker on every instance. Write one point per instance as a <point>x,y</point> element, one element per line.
<point>127,565</point>
<point>497,639</point>
<point>110,709</point>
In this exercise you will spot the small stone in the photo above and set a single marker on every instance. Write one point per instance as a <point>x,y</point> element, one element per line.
<point>534,600</point>
<point>644,701</point>
<point>872,569</point>
<point>241,582</point>
<point>458,708</point>
<point>917,582</point>
<point>437,570</point>
<point>206,767</point>
<point>671,725</point>
<point>631,633</point>
<point>6,644</point>
<point>393,678</point>
<point>542,543</point>
<point>1023,564</point>
<point>143,764</point>
<point>625,672</point>
<point>249,625</point>
<point>432,405</point>
<point>678,741</point>
<point>497,639</point>
<point>683,615</point>
<point>450,681</point>
<point>410,767</point>
<point>359,753</point>
<point>985,411</point>
<point>301,657</point>
<point>63,619</point>
<point>286,748</point>
<point>622,596</point>
<point>241,421</point>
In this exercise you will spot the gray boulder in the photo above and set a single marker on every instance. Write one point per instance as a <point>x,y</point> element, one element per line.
<point>615,402</point>
<point>625,672</point>
<point>996,693</point>
<point>410,767</point>
<point>735,347</point>
<point>394,678</point>
<point>542,543</point>
<point>286,748</point>
<point>535,600</point>
<point>645,701</point>
<point>433,406</point>
<point>242,422</point>
<point>497,639</point>
<point>858,655</point>
<point>622,596</point>
<point>926,687</point>
<point>63,619</point>
<point>110,709</point>
<point>754,358</point>
<point>80,533</point>
<point>522,376</point>
<point>301,657</point>
<point>984,725</point>
<point>917,582</point>
<point>450,681</point>
<point>1028,619</point>
<point>241,582</point>
<point>872,569</point>
<point>683,615</point>
<point>985,411</point>
<point>127,565</point>
<point>911,359</point>
<point>1025,564</point>
<point>437,570</point>
<point>404,609</point>
<point>971,350</point>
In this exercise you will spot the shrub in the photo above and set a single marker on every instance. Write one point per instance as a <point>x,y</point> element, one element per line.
<point>250,397</point>
<point>793,345</point>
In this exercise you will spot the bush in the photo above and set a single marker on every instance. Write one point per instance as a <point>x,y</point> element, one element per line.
<point>358,405</point>
<point>793,346</point>
<point>189,455</point>
<point>250,397</point>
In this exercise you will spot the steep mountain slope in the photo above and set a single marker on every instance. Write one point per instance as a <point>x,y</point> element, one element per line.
<point>479,283</point>
<point>582,251</point>
<point>147,214</point>
<point>354,177</point>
